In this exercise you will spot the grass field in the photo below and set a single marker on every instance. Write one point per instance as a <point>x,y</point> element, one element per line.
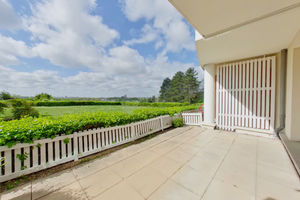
<point>61,110</point>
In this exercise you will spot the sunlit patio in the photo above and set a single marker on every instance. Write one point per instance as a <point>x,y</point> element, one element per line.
<point>184,163</point>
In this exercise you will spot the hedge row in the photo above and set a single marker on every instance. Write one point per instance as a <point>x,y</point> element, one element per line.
<point>74,103</point>
<point>28,129</point>
<point>155,104</point>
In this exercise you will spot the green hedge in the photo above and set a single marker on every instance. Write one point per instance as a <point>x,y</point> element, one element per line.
<point>156,104</point>
<point>74,103</point>
<point>28,129</point>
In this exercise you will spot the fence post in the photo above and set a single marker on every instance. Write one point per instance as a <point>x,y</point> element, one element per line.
<point>133,134</point>
<point>75,138</point>
<point>161,123</point>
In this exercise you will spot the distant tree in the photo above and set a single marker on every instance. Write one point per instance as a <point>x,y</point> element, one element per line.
<point>164,89</point>
<point>151,99</point>
<point>191,85</point>
<point>43,96</point>
<point>183,87</point>
<point>5,96</point>
<point>176,90</point>
<point>22,108</point>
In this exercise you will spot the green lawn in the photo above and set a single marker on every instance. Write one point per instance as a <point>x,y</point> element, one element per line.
<point>61,110</point>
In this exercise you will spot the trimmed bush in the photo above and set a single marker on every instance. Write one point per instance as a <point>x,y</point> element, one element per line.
<point>156,104</point>
<point>28,129</point>
<point>74,103</point>
<point>177,122</point>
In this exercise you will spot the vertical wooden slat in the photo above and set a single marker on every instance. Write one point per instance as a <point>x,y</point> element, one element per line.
<point>259,94</point>
<point>57,151</point>
<point>50,152</point>
<point>217,95</point>
<point>268,94</point>
<point>263,100</point>
<point>35,156</point>
<point>17,160</point>
<point>8,161</point>
<point>255,97</point>
<point>43,153</point>
<point>251,96</point>
<point>273,68</point>
<point>27,161</point>
<point>229,97</point>
<point>247,94</point>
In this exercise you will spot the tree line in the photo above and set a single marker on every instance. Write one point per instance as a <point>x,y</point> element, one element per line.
<point>183,87</point>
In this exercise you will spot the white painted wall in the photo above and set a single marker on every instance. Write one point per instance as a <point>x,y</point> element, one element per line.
<point>293,90</point>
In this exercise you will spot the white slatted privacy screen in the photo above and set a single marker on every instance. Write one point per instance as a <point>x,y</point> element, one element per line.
<point>245,94</point>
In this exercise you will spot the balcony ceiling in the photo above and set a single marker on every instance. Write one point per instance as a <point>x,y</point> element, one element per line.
<point>212,17</point>
<point>238,29</point>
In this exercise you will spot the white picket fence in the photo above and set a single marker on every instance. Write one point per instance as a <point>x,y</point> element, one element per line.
<point>24,159</point>
<point>193,119</point>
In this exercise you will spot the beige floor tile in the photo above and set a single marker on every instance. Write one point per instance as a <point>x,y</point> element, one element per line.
<point>70,192</point>
<point>44,186</point>
<point>276,175</point>
<point>219,190</point>
<point>89,168</point>
<point>146,181</point>
<point>146,156</point>
<point>18,193</point>
<point>127,167</point>
<point>166,166</point>
<point>179,156</point>
<point>192,180</point>
<point>204,164</point>
<point>270,190</point>
<point>173,191</point>
<point>120,191</point>
<point>99,182</point>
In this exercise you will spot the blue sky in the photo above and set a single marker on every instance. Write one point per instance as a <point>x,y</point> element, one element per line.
<point>92,48</point>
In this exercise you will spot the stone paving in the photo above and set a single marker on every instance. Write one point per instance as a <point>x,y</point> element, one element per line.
<point>185,163</point>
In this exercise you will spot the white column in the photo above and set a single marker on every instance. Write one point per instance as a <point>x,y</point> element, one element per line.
<point>209,95</point>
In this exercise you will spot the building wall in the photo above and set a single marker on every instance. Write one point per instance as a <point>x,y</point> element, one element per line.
<point>293,90</point>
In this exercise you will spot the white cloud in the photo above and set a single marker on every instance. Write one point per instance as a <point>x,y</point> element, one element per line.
<point>68,34</point>
<point>11,48</point>
<point>8,18</point>
<point>166,21</point>
<point>148,34</point>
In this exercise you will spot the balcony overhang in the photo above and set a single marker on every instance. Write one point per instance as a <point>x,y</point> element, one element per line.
<point>235,29</point>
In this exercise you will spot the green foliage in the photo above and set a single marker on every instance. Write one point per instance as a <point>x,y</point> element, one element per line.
<point>74,103</point>
<point>67,140</point>
<point>177,122</point>
<point>5,96</point>
<point>2,106</point>
<point>164,90</point>
<point>184,87</point>
<point>28,129</point>
<point>22,108</point>
<point>2,162</point>
<point>156,104</point>
<point>43,96</point>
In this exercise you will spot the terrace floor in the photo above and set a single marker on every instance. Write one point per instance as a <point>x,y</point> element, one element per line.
<point>185,164</point>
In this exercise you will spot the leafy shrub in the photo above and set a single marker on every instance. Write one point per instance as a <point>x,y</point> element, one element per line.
<point>28,129</point>
<point>5,96</point>
<point>2,106</point>
<point>177,122</point>
<point>74,103</point>
<point>21,108</point>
